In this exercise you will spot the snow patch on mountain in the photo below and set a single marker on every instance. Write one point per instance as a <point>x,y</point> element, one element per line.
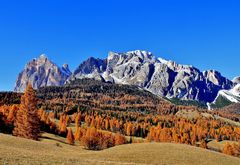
<point>163,60</point>
<point>228,95</point>
<point>232,95</point>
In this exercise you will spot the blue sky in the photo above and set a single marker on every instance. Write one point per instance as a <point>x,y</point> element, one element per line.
<point>204,33</point>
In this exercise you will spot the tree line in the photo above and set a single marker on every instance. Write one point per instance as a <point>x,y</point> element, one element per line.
<point>98,129</point>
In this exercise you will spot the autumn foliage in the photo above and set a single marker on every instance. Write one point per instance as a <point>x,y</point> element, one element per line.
<point>119,139</point>
<point>232,149</point>
<point>27,123</point>
<point>103,119</point>
<point>95,140</point>
<point>2,123</point>
<point>70,137</point>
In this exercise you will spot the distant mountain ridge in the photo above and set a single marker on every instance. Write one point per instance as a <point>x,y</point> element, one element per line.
<point>141,68</point>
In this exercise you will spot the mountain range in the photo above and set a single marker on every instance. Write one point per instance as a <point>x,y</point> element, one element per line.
<point>140,68</point>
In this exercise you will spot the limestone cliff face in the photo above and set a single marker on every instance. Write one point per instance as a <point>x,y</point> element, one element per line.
<point>42,72</point>
<point>159,76</point>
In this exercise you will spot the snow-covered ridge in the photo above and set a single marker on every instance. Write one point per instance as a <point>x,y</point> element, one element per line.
<point>163,60</point>
<point>226,94</point>
<point>232,95</point>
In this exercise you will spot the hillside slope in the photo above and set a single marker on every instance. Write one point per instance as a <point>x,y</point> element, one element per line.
<point>227,97</point>
<point>92,94</point>
<point>53,150</point>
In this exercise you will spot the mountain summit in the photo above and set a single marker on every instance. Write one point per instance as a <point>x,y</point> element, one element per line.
<point>42,72</point>
<point>157,75</point>
<point>141,68</point>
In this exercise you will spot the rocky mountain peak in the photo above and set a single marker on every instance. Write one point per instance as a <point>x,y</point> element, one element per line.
<point>216,78</point>
<point>66,69</point>
<point>141,53</point>
<point>141,68</point>
<point>41,72</point>
<point>65,66</point>
<point>136,56</point>
<point>160,76</point>
<point>90,65</point>
<point>43,56</point>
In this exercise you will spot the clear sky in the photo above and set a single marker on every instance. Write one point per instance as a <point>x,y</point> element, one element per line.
<point>203,33</point>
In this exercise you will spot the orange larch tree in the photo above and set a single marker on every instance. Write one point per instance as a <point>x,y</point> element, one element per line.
<point>78,119</point>
<point>203,144</point>
<point>119,139</point>
<point>27,122</point>
<point>2,122</point>
<point>91,139</point>
<point>70,137</point>
<point>228,149</point>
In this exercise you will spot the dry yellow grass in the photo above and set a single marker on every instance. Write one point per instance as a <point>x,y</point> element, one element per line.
<point>218,146</point>
<point>15,150</point>
<point>188,114</point>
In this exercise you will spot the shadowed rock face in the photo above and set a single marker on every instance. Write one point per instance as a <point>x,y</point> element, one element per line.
<point>161,77</point>
<point>42,72</point>
<point>91,68</point>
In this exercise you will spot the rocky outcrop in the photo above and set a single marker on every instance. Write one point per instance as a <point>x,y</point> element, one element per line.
<point>42,72</point>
